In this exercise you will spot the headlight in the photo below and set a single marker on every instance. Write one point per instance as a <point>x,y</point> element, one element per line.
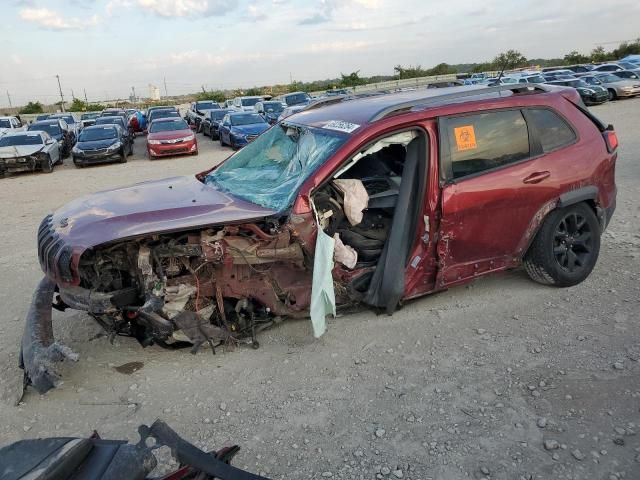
<point>75,149</point>
<point>188,138</point>
<point>153,142</point>
<point>588,91</point>
<point>114,147</point>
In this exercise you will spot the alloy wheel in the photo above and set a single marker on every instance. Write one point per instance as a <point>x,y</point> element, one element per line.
<point>573,243</point>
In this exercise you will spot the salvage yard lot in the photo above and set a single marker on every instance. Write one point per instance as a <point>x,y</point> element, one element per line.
<point>455,385</point>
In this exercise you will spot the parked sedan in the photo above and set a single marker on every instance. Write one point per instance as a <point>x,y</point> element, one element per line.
<point>102,144</point>
<point>211,122</point>
<point>616,86</point>
<point>628,74</point>
<point>170,136</point>
<point>165,112</point>
<point>59,131</point>
<point>590,94</point>
<point>71,120</point>
<point>88,119</point>
<point>117,120</point>
<point>28,151</point>
<point>239,128</point>
<point>270,110</point>
<point>615,67</point>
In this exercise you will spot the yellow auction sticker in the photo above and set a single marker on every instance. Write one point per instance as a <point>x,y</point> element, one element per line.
<point>465,138</point>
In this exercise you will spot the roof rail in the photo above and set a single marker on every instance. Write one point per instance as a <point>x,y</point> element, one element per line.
<point>321,102</point>
<point>469,91</point>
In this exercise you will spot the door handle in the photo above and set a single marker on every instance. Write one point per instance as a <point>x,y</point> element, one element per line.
<point>536,177</point>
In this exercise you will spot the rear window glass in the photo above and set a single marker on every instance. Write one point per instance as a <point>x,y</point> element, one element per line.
<point>552,130</point>
<point>476,143</point>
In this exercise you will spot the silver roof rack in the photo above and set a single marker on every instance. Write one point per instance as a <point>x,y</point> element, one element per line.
<point>466,92</point>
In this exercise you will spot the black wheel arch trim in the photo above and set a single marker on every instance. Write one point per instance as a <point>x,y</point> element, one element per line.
<point>576,196</point>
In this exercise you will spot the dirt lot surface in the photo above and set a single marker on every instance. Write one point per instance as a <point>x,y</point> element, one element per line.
<point>502,379</point>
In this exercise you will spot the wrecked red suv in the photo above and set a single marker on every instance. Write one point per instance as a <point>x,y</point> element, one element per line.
<point>355,201</point>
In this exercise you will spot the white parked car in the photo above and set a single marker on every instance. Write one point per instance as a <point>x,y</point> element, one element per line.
<point>11,124</point>
<point>28,151</point>
<point>245,104</point>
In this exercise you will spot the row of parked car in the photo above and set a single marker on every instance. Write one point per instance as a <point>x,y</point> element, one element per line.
<point>240,120</point>
<point>44,143</point>
<point>595,83</point>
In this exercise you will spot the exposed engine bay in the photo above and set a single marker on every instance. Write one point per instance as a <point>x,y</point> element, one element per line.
<point>223,285</point>
<point>213,286</point>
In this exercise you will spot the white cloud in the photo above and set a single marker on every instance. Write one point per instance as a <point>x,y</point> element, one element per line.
<point>337,46</point>
<point>113,6</point>
<point>53,20</point>
<point>187,8</point>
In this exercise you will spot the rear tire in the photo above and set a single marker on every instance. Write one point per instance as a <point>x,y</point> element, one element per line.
<point>565,249</point>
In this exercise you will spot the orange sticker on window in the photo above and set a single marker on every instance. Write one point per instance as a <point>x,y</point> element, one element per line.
<point>465,138</point>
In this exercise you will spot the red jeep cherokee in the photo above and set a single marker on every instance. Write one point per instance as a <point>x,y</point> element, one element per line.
<point>369,201</point>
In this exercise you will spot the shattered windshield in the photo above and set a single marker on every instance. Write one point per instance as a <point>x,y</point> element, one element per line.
<point>270,170</point>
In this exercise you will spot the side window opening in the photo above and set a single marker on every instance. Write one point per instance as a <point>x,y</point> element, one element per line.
<point>472,144</point>
<point>551,129</point>
<point>366,197</point>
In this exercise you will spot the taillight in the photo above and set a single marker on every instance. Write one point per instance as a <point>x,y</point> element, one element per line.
<point>611,139</point>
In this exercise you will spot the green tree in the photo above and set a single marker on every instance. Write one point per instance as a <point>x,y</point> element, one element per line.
<point>253,92</point>
<point>214,95</point>
<point>574,57</point>
<point>410,71</point>
<point>80,106</point>
<point>352,79</point>
<point>441,69</point>
<point>482,67</point>
<point>32,107</point>
<point>509,59</point>
<point>599,54</point>
<point>627,48</point>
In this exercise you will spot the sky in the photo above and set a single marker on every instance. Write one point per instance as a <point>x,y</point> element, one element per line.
<point>106,47</point>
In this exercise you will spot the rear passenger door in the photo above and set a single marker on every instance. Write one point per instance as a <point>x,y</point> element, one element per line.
<point>496,178</point>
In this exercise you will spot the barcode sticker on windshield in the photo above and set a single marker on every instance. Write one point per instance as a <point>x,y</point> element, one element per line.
<point>341,126</point>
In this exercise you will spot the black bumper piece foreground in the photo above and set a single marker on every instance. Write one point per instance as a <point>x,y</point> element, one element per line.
<point>97,459</point>
<point>39,352</point>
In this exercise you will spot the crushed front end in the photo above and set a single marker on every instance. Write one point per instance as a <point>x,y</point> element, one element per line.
<point>212,286</point>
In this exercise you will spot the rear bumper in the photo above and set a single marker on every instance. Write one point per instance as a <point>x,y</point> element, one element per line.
<point>172,149</point>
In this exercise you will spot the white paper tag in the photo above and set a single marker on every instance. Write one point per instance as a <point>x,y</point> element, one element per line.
<point>341,126</point>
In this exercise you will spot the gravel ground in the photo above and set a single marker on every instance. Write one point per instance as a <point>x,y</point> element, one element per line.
<point>501,379</point>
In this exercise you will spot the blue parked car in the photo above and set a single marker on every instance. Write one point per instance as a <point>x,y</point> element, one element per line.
<point>239,128</point>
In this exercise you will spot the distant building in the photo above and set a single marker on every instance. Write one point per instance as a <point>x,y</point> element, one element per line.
<point>154,92</point>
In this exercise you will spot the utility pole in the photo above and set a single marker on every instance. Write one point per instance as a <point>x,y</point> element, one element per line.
<point>61,96</point>
<point>133,90</point>
<point>9,97</point>
<point>290,79</point>
<point>166,93</point>
<point>85,95</point>
<point>203,90</point>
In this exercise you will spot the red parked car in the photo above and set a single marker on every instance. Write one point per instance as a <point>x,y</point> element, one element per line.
<point>170,136</point>
<point>361,201</point>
